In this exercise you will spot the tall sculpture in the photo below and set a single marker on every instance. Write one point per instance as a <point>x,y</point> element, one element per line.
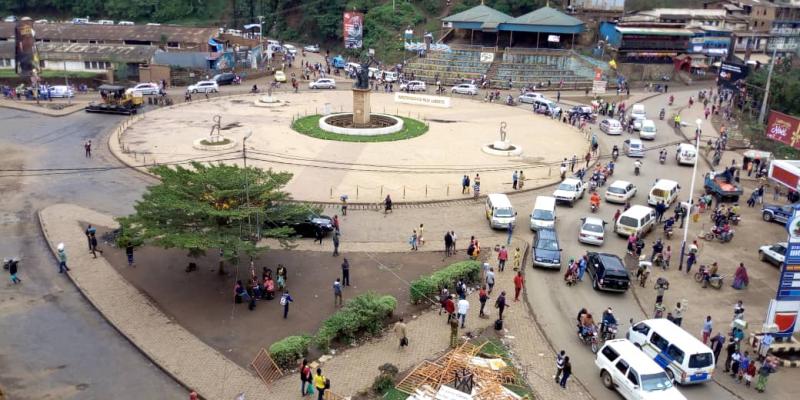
<point>361,90</point>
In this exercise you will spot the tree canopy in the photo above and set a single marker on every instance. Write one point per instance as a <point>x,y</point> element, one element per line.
<point>205,207</point>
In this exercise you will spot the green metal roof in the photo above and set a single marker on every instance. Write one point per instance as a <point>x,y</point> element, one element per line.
<point>480,13</point>
<point>654,31</point>
<point>546,16</point>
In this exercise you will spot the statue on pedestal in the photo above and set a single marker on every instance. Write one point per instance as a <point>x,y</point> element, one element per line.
<point>362,76</point>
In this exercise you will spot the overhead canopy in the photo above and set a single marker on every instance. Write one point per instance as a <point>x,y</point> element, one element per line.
<point>477,17</point>
<point>487,19</point>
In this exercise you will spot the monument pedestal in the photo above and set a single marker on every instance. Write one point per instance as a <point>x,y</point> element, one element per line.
<point>361,109</point>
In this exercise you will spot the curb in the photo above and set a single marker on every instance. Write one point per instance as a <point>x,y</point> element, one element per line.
<point>753,341</point>
<point>116,151</point>
<point>43,228</point>
<point>43,111</point>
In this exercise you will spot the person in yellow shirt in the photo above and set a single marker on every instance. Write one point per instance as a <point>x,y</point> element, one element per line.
<point>320,383</point>
<point>517,258</point>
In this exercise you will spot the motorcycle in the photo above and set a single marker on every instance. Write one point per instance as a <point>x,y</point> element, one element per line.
<point>589,338</point>
<point>718,234</point>
<point>662,158</point>
<point>668,233</point>
<point>610,332</point>
<point>714,281</point>
<point>636,170</point>
<point>593,207</point>
<point>661,114</point>
<point>510,102</point>
<point>614,155</point>
<point>671,100</point>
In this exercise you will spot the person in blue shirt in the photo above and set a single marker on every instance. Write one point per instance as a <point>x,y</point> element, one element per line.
<point>285,300</point>
<point>608,320</point>
<point>582,267</point>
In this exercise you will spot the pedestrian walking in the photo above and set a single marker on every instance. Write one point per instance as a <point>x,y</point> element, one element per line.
<point>346,272</point>
<point>482,297</point>
<point>444,294</point>
<point>563,169</point>
<point>716,344</point>
<point>335,243</point>
<point>337,293</point>
<point>321,383</point>
<point>763,374</point>
<point>677,314</point>
<point>420,235</point>
<point>490,279</point>
<point>94,246</point>
<point>318,234</point>
<point>582,267</point>
<point>286,299</point>
<point>87,148</point>
<point>90,230</point>
<point>517,259</point>
<point>387,204</point>
<point>510,231</point>
<point>305,378</point>
<point>453,235</point>
<point>344,204</point>
<point>521,182</point>
<point>401,332</point>
<point>62,259</point>
<point>519,283</point>
<point>559,365</point>
<point>572,162</point>
<point>13,270</point>
<point>453,332</point>
<point>463,307</point>
<point>465,185</point>
<point>565,372</point>
<point>129,253</point>
<point>448,244</point>
<point>690,260</point>
<point>708,325</point>
<point>502,257</point>
<point>500,304</point>
<point>413,240</point>
<point>514,178</point>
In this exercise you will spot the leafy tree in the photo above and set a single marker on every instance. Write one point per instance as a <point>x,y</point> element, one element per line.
<point>204,207</point>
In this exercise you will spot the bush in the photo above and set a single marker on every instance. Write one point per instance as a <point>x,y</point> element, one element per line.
<point>382,384</point>
<point>288,350</point>
<point>429,286</point>
<point>364,313</point>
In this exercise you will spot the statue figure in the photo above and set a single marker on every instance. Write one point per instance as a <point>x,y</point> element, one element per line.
<point>503,131</point>
<point>362,76</point>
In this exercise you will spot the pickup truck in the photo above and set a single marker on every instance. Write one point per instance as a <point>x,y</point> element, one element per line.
<point>722,185</point>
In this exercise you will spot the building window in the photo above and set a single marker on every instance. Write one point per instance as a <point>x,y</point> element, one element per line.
<point>41,64</point>
<point>101,65</point>
<point>174,45</point>
<point>5,62</point>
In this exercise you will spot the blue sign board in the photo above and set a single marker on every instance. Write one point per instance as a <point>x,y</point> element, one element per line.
<point>789,283</point>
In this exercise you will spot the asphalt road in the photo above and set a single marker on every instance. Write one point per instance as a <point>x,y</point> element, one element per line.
<point>53,342</point>
<point>557,305</point>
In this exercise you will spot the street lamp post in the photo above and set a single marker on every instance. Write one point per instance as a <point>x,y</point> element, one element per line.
<point>246,181</point>
<point>687,218</point>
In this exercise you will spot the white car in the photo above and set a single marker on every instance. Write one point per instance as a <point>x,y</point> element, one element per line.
<point>634,375</point>
<point>611,126</point>
<point>773,254</point>
<point>413,86</point>
<point>145,88</point>
<point>620,192</point>
<point>128,23</point>
<point>569,191</point>
<point>61,91</point>
<point>10,18</point>
<point>41,21</point>
<point>324,83</point>
<point>290,49</point>
<point>647,130</point>
<point>204,87</point>
<point>593,231</point>
<point>529,97</point>
<point>465,88</point>
<point>312,48</point>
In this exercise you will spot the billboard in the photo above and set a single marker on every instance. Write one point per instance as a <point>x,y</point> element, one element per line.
<point>784,128</point>
<point>353,30</point>
<point>599,5</point>
<point>26,56</point>
<point>731,74</point>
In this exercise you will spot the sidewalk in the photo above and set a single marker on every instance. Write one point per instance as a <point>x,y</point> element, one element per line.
<point>179,353</point>
<point>77,105</point>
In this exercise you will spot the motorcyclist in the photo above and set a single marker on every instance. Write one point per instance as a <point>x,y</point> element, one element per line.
<point>608,320</point>
<point>637,165</point>
<point>254,89</point>
<point>587,325</point>
<point>709,273</point>
<point>658,247</point>
<point>662,155</point>
<point>510,100</point>
<point>668,224</point>
<point>595,200</point>
<point>671,99</point>
<point>614,152</point>
<point>662,114</point>
<point>581,314</point>
<point>677,120</point>
<point>610,167</point>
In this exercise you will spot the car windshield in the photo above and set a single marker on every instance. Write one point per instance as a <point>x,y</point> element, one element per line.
<point>701,360</point>
<point>503,212</point>
<point>654,382</point>
<point>659,193</point>
<point>545,244</point>
<point>613,123</point>
<point>543,215</point>
<point>616,190</point>
<point>648,128</point>
<point>593,228</point>
<point>628,221</point>
<point>567,186</point>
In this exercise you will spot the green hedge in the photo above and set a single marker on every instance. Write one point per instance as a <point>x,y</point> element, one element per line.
<point>363,313</point>
<point>429,286</point>
<point>288,350</point>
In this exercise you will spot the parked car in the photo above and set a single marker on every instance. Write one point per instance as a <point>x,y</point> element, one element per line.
<point>633,148</point>
<point>324,83</point>
<point>776,213</point>
<point>584,112</point>
<point>41,21</point>
<point>290,49</point>
<point>611,126</point>
<point>546,251</point>
<point>593,231</point>
<point>10,18</point>
<point>125,23</point>
<point>305,226</point>
<point>633,374</point>
<point>773,254</point>
<point>105,22</point>
<point>413,86</point>
<point>312,48</point>
<point>529,97</point>
<point>620,192</point>
<point>204,87</point>
<point>280,76</point>
<point>607,272</point>
<point>569,191</point>
<point>147,88</point>
<point>225,78</point>
<point>61,91</point>
<point>465,88</point>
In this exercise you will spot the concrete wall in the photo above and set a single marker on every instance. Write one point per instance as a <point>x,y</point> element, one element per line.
<point>645,72</point>
<point>69,66</point>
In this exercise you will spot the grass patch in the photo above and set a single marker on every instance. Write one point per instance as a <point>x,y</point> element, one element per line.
<point>222,142</point>
<point>310,126</point>
<point>394,394</point>
<point>9,73</point>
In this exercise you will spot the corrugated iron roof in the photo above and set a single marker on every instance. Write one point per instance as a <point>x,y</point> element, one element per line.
<point>480,13</point>
<point>96,52</point>
<point>546,16</point>
<point>144,33</point>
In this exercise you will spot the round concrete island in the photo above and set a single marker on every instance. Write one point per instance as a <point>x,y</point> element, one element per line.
<point>342,123</point>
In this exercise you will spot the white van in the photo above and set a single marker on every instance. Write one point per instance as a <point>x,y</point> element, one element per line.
<point>664,190</point>
<point>499,211</point>
<point>545,106</point>
<point>389,76</point>
<point>648,130</point>
<point>637,219</point>
<point>635,376</point>
<point>544,213</point>
<point>686,154</point>
<point>638,111</point>
<point>685,358</point>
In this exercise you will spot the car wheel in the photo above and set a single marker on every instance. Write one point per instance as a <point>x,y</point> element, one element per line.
<point>194,91</point>
<point>761,256</point>
<point>213,90</point>
<point>670,375</point>
<point>767,217</point>
<point>607,381</point>
<point>594,283</point>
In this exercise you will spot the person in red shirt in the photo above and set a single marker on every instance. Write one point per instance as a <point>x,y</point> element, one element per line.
<point>483,296</point>
<point>519,281</point>
<point>450,307</point>
<point>502,257</point>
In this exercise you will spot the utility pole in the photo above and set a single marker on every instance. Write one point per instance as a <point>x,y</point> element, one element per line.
<point>246,182</point>
<point>763,112</point>
<point>688,208</point>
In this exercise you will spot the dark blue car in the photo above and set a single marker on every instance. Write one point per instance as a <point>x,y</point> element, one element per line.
<point>546,251</point>
<point>776,213</point>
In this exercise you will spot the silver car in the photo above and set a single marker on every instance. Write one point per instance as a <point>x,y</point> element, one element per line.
<point>593,231</point>
<point>323,83</point>
<point>611,126</point>
<point>465,88</point>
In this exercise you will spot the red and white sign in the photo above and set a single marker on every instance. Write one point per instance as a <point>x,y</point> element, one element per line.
<point>785,172</point>
<point>784,128</point>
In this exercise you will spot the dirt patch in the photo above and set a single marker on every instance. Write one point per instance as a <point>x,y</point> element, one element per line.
<point>202,301</point>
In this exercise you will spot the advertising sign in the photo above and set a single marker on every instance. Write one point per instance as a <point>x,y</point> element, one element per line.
<point>553,38</point>
<point>784,128</point>
<point>783,311</point>
<point>26,56</point>
<point>487,57</point>
<point>353,30</point>
<point>731,74</point>
<point>422,100</point>
<point>599,87</point>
